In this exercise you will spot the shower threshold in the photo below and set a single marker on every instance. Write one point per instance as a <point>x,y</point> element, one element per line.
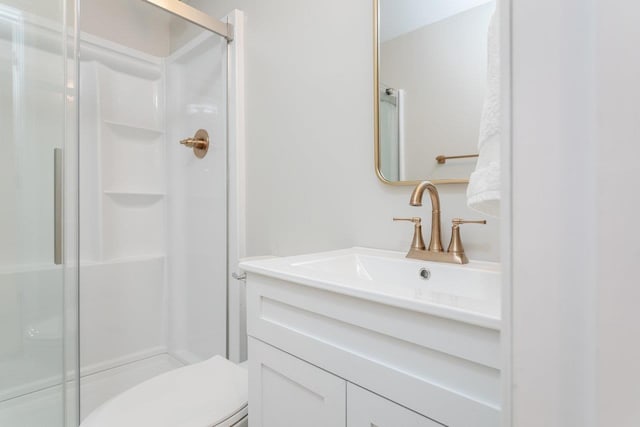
<point>96,389</point>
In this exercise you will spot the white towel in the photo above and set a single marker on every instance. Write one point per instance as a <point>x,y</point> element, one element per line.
<point>483,192</point>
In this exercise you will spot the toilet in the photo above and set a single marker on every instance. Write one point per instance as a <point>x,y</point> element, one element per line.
<point>212,393</point>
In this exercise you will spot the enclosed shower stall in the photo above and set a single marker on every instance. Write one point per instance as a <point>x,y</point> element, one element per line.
<point>121,155</point>
<point>392,144</point>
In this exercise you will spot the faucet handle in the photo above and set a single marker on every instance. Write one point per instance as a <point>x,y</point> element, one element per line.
<point>455,245</point>
<point>415,219</point>
<point>418,241</point>
<point>458,221</point>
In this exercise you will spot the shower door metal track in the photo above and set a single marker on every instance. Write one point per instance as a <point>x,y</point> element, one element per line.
<point>195,16</point>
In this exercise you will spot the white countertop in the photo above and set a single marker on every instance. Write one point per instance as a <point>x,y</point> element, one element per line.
<point>468,293</point>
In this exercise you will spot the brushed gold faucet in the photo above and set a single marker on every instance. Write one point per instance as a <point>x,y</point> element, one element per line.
<point>435,244</point>
<point>435,252</point>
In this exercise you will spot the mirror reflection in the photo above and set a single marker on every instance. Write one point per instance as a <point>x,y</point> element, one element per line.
<point>432,78</point>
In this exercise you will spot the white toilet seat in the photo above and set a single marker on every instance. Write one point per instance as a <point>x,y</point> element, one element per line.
<point>206,394</point>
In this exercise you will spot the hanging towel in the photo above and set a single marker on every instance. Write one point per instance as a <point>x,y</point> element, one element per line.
<point>483,192</point>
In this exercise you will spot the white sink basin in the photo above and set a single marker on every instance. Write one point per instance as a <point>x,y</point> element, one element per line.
<point>469,293</point>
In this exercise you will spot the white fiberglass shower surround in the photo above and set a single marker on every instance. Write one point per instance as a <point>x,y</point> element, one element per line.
<point>151,231</point>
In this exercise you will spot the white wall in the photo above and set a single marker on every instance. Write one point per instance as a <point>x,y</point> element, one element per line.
<point>197,210</point>
<point>618,201</point>
<point>311,182</point>
<point>575,154</point>
<point>553,221</point>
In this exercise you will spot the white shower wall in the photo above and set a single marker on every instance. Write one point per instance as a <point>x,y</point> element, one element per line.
<point>197,203</point>
<point>153,221</point>
<point>122,200</point>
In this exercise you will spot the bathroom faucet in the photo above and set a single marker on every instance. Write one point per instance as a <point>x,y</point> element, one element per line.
<point>435,244</point>
<point>435,252</point>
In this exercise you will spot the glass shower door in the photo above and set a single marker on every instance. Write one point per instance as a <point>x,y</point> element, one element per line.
<point>35,99</point>
<point>153,213</point>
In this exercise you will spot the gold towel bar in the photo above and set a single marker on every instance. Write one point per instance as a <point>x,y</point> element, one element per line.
<point>443,159</point>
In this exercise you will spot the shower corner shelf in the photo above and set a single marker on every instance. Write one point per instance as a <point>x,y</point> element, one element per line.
<point>134,193</point>
<point>134,198</point>
<point>133,258</point>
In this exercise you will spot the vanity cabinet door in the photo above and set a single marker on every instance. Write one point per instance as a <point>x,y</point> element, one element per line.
<point>366,409</point>
<point>285,391</point>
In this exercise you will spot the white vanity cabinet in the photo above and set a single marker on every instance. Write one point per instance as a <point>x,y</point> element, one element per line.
<point>286,391</point>
<point>366,409</point>
<point>321,354</point>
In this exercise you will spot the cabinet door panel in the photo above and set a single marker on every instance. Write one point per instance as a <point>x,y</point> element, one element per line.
<point>286,391</point>
<point>366,409</point>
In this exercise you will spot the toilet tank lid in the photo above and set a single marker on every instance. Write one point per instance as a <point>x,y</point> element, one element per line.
<point>200,395</point>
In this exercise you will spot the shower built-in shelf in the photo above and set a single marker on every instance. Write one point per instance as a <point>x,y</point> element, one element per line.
<point>128,121</point>
<point>124,260</point>
<point>133,162</point>
<point>129,128</point>
<point>147,194</point>
<point>132,199</point>
<point>132,225</point>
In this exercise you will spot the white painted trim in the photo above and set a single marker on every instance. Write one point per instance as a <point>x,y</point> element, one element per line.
<point>236,327</point>
<point>504,13</point>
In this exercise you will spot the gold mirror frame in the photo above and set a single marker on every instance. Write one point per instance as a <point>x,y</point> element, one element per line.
<point>376,112</point>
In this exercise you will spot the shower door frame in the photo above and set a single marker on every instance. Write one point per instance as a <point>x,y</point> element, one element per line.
<point>196,17</point>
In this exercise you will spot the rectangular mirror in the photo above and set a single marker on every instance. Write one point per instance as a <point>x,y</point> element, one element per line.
<point>430,82</point>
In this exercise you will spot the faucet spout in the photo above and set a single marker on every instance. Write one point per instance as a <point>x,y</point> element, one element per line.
<point>435,251</point>
<point>435,244</point>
